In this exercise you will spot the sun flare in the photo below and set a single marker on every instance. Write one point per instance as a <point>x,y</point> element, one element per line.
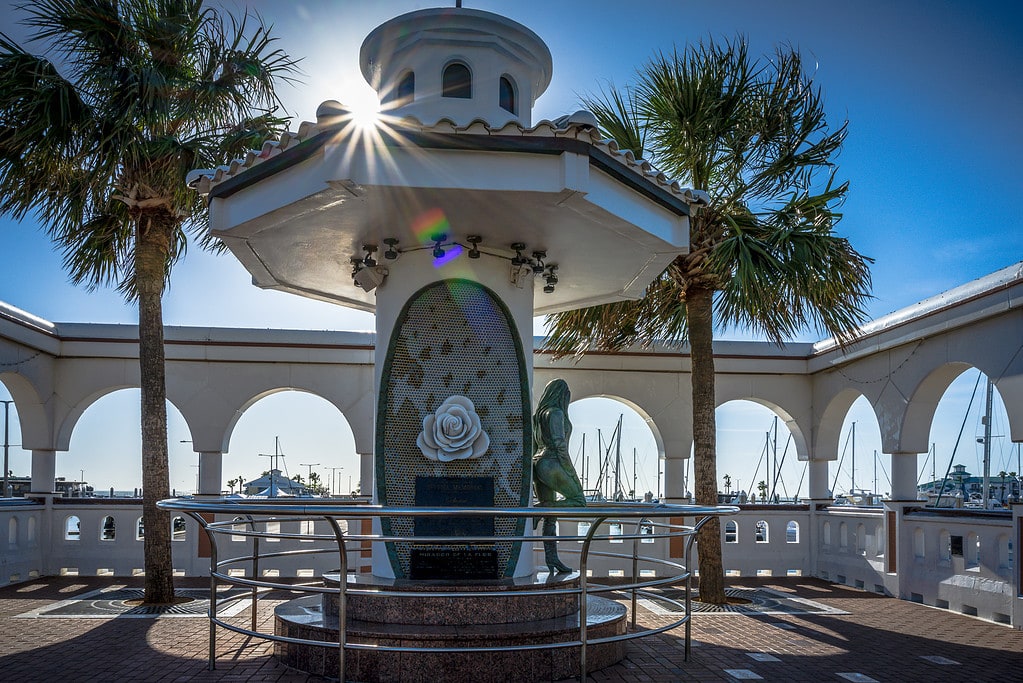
<point>364,107</point>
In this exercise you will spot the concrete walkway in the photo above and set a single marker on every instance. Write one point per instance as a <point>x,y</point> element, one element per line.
<point>879,639</point>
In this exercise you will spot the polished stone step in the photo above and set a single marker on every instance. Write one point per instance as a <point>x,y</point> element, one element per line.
<point>304,618</point>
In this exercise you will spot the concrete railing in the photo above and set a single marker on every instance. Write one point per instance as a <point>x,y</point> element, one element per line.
<point>21,530</point>
<point>965,561</point>
<point>104,537</point>
<point>851,548</point>
<point>767,540</point>
<point>962,561</point>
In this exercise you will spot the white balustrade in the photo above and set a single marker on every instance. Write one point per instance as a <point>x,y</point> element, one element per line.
<point>958,561</point>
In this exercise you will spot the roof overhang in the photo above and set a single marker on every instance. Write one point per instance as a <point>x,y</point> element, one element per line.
<point>295,217</point>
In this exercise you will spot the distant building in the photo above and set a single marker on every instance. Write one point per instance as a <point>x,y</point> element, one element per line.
<point>1003,489</point>
<point>275,484</point>
<point>67,489</point>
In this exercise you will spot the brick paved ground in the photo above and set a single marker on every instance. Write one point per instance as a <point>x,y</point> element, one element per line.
<point>881,638</point>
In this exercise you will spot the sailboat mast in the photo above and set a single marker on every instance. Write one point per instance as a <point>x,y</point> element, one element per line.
<point>774,457</point>
<point>874,492</point>
<point>584,465</point>
<point>273,477</point>
<point>634,472</point>
<point>618,459</point>
<point>987,442</point>
<point>852,488</point>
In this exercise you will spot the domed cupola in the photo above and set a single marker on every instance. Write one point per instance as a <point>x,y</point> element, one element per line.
<point>456,63</point>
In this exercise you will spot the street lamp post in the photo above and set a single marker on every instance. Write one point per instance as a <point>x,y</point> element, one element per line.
<point>7,446</point>
<point>310,465</point>
<point>335,482</point>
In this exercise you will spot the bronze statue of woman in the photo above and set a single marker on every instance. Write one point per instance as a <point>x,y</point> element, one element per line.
<point>553,472</point>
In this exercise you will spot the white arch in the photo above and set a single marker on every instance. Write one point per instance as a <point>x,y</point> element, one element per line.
<point>32,415</point>
<point>919,413</point>
<point>829,425</point>
<point>252,400</point>
<point>793,425</point>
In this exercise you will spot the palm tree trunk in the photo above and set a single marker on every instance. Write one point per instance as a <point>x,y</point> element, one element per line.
<point>700,314</point>
<point>151,249</point>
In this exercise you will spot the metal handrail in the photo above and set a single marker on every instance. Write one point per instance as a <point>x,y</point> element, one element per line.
<point>253,514</point>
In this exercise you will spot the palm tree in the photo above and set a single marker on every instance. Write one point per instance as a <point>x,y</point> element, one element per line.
<point>763,254</point>
<point>97,135</point>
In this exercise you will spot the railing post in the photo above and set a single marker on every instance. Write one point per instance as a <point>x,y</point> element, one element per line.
<point>635,568</point>
<point>689,595</point>
<point>342,597</point>
<point>689,540</point>
<point>583,587</point>
<point>211,613</point>
<point>255,568</point>
<point>213,598</point>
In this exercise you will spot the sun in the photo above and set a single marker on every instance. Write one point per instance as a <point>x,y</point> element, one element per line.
<point>364,106</point>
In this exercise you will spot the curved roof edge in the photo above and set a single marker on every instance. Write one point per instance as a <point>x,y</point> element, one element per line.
<point>999,279</point>
<point>333,118</point>
<point>25,318</point>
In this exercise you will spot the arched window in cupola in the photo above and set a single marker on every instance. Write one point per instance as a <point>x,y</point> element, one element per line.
<point>457,81</point>
<point>507,95</point>
<point>404,92</point>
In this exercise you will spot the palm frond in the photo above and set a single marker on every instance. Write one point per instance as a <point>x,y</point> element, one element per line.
<point>618,118</point>
<point>125,98</point>
<point>659,317</point>
<point>754,134</point>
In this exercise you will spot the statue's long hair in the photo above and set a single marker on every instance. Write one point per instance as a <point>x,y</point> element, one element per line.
<point>555,395</point>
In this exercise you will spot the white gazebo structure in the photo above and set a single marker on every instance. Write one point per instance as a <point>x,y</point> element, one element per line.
<point>454,182</point>
<point>456,220</point>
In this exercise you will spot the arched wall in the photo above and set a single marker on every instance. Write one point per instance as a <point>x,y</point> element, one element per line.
<point>661,399</point>
<point>237,414</point>
<point>919,411</point>
<point>904,371</point>
<point>32,415</point>
<point>829,424</point>
<point>82,383</point>
<point>215,397</point>
<point>787,396</point>
<point>902,366</point>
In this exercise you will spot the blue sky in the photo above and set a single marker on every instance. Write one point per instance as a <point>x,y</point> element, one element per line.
<point>932,90</point>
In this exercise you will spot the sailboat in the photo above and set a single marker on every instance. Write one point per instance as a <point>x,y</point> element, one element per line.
<point>611,478</point>
<point>855,496</point>
<point>958,488</point>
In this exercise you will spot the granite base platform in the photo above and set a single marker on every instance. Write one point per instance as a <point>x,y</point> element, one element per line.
<point>425,616</point>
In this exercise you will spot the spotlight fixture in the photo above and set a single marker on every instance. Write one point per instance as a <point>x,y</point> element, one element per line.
<point>551,277</point>
<point>370,278</point>
<point>474,240</point>
<point>518,259</point>
<point>438,251</point>
<point>538,257</point>
<point>356,262</point>
<point>391,252</point>
<point>369,261</point>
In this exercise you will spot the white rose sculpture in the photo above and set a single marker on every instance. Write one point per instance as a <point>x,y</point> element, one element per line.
<point>453,432</point>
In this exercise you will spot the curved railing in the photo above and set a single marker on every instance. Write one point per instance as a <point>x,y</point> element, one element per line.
<point>646,522</point>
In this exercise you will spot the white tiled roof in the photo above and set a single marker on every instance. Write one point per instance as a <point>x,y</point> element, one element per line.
<point>580,126</point>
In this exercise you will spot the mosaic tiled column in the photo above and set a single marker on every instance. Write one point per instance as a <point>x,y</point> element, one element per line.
<point>452,362</point>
